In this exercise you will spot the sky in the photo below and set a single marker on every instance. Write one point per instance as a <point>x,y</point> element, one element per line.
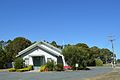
<point>64,21</point>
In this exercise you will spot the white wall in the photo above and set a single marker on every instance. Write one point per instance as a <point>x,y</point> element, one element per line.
<point>39,52</point>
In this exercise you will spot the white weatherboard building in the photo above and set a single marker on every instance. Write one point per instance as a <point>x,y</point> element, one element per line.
<point>40,53</point>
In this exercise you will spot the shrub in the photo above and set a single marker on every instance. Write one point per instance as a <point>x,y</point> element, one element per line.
<point>12,70</point>
<point>59,67</point>
<point>43,68</point>
<point>18,63</point>
<point>30,67</point>
<point>50,65</point>
<point>98,62</point>
<point>19,70</point>
<point>22,70</point>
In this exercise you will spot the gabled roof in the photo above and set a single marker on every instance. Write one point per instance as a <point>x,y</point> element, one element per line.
<point>39,45</point>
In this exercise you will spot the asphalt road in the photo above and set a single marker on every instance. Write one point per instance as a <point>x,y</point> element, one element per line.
<point>113,75</point>
<point>74,75</point>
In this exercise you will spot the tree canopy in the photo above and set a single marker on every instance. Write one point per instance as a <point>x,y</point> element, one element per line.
<point>79,53</point>
<point>82,54</point>
<point>16,46</point>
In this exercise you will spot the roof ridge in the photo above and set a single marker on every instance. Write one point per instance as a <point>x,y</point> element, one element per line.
<point>53,47</point>
<point>37,44</point>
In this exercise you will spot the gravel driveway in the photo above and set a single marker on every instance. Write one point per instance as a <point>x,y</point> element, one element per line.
<point>74,75</point>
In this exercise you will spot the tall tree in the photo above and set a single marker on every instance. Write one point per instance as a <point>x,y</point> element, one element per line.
<point>105,55</point>
<point>3,58</point>
<point>74,54</point>
<point>83,45</point>
<point>95,51</point>
<point>16,46</point>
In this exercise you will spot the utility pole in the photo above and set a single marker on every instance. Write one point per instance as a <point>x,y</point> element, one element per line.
<point>111,40</point>
<point>63,45</point>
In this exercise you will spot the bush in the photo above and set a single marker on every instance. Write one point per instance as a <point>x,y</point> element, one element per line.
<point>30,67</point>
<point>50,65</point>
<point>22,70</point>
<point>12,70</point>
<point>98,62</point>
<point>59,67</point>
<point>18,63</point>
<point>43,68</point>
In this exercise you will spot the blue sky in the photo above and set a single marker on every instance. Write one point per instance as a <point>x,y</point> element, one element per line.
<point>68,21</point>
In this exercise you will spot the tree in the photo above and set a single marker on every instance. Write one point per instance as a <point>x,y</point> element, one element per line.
<point>2,58</point>
<point>105,55</point>
<point>74,54</point>
<point>93,54</point>
<point>54,44</point>
<point>95,51</point>
<point>16,46</point>
<point>118,60</point>
<point>18,63</point>
<point>83,45</point>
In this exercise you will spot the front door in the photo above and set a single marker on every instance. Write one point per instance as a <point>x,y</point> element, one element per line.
<point>38,61</point>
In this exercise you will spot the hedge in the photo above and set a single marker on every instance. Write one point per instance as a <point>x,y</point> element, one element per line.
<point>30,67</point>
<point>12,70</point>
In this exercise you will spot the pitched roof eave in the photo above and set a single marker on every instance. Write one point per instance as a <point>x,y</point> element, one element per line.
<point>38,44</point>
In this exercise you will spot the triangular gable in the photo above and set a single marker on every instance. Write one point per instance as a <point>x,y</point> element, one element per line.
<point>39,45</point>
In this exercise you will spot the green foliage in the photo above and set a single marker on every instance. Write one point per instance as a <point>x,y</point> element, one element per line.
<point>23,70</point>
<point>30,67</point>
<point>16,46</point>
<point>96,53</point>
<point>59,67</point>
<point>3,59</point>
<point>54,43</point>
<point>76,54</point>
<point>79,53</point>
<point>82,45</point>
<point>83,68</point>
<point>118,60</point>
<point>18,63</point>
<point>50,65</point>
<point>43,68</point>
<point>98,62</point>
<point>105,55</point>
<point>12,70</point>
<point>93,54</point>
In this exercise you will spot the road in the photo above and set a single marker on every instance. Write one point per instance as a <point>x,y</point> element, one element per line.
<point>73,75</point>
<point>114,75</point>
